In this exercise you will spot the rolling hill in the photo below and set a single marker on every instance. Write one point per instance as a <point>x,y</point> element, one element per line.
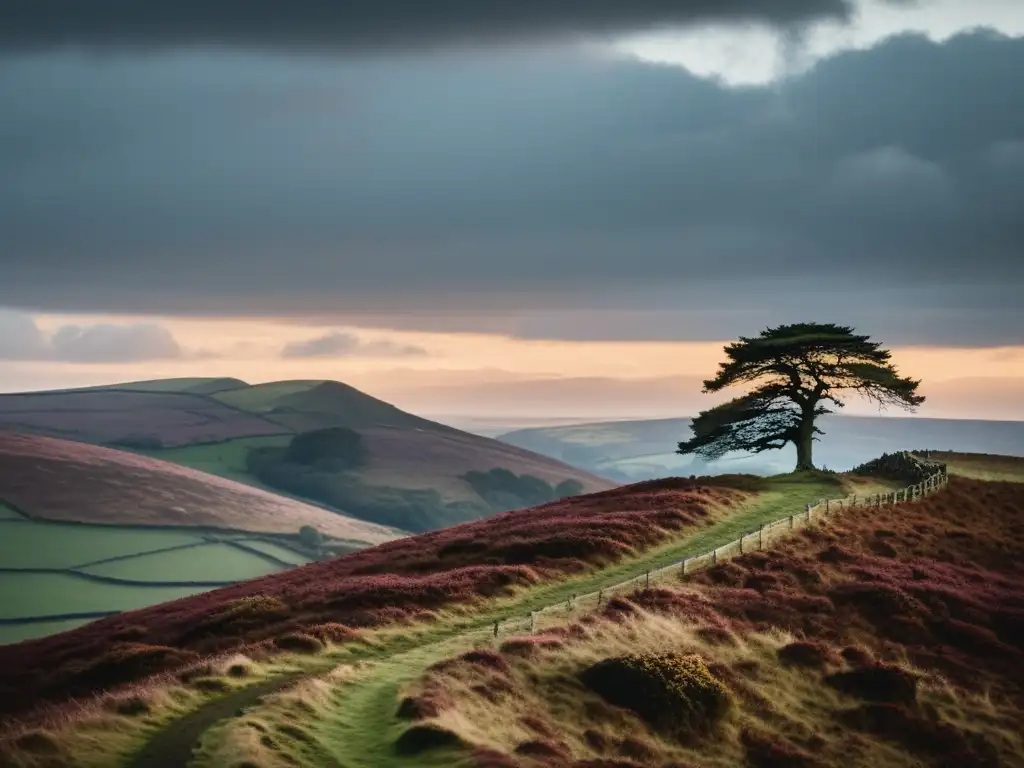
<point>879,635</point>
<point>637,450</point>
<point>125,417</point>
<point>87,531</point>
<point>60,480</point>
<point>414,474</point>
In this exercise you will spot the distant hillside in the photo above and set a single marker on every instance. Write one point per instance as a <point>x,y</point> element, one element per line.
<point>150,417</point>
<point>195,386</point>
<point>69,481</point>
<point>642,449</point>
<point>414,474</point>
<point>86,531</point>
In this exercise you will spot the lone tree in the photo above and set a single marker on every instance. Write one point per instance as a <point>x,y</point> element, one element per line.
<point>798,371</point>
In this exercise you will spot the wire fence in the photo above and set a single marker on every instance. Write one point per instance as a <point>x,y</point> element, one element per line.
<point>752,541</point>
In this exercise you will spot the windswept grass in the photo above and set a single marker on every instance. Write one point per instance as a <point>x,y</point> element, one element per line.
<point>108,729</point>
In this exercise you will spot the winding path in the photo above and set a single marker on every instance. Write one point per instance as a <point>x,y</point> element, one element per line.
<point>366,737</point>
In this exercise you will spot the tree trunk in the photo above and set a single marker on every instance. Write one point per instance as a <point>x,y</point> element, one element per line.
<point>805,442</point>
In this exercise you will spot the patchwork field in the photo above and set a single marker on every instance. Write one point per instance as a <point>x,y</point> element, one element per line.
<point>68,481</point>
<point>54,576</point>
<point>227,459</point>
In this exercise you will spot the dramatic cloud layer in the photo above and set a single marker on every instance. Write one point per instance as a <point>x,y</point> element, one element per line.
<point>545,193</point>
<point>348,345</point>
<point>330,24</point>
<point>21,339</point>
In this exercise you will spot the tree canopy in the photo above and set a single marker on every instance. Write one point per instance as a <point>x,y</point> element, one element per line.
<point>794,374</point>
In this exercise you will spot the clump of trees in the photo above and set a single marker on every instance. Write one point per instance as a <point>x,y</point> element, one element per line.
<point>310,537</point>
<point>321,465</point>
<point>503,489</point>
<point>795,373</point>
<point>332,448</point>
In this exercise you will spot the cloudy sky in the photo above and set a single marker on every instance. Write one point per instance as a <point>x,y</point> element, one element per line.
<point>523,211</point>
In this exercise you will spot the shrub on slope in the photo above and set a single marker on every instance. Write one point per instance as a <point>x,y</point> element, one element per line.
<point>673,692</point>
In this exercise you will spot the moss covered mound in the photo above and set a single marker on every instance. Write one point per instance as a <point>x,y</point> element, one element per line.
<point>673,692</point>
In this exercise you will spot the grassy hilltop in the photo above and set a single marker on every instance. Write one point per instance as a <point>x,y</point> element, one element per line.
<point>883,636</point>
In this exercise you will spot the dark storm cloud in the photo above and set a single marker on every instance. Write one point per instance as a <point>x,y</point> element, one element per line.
<point>347,24</point>
<point>339,344</point>
<point>470,191</point>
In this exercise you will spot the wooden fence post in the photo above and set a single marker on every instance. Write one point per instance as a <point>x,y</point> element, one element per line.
<point>647,580</point>
<point>791,522</point>
<point>760,537</point>
<point>495,629</point>
<point>741,542</point>
<point>714,557</point>
<point>600,592</point>
<point>684,565</point>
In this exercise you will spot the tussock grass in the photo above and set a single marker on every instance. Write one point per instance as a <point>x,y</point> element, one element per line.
<point>784,714</point>
<point>834,653</point>
<point>105,730</point>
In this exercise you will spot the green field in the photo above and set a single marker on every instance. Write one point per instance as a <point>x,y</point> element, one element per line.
<point>14,633</point>
<point>209,562</point>
<point>226,459</point>
<point>6,513</point>
<point>149,556</point>
<point>261,397</point>
<point>50,594</point>
<point>32,544</point>
<point>276,550</point>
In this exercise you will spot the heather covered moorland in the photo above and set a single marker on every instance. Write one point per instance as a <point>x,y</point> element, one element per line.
<point>893,639</point>
<point>415,596</point>
<point>402,580</point>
